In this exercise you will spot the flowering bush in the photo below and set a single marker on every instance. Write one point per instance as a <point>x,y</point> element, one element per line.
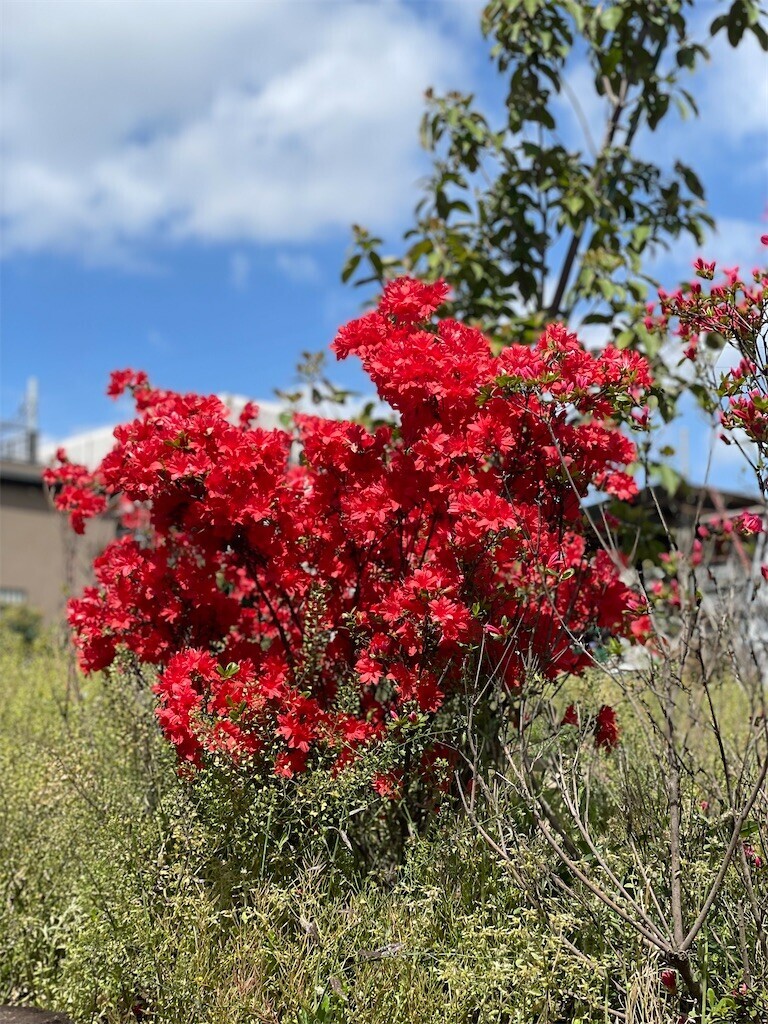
<point>302,611</point>
<point>735,309</point>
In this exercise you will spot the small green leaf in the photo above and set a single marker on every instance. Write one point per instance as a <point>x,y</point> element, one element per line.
<point>611,18</point>
<point>669,478</point>
<point>350,267</point>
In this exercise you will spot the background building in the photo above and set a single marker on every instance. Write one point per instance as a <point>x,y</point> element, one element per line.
<point>42,561</point>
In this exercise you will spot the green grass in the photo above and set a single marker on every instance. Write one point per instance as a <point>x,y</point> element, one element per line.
<point>127,893</point>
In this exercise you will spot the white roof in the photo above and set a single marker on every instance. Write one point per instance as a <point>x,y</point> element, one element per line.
<point>89,447</point>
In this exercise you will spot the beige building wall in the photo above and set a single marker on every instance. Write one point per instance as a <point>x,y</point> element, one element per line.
<point>42,561</point>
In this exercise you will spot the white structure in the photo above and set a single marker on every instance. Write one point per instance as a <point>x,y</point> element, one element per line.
<point>89,447</point>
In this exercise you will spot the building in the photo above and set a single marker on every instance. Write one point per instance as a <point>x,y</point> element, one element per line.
<point>89,447</point>
<point>42,561</point>
<point>659,520</point>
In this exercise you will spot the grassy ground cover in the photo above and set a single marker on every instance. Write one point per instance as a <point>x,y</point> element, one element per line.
<point>127,893</point>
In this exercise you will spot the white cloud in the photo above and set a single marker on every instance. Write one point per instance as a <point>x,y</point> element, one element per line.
<point>734,242</point>
<point>299,267</point>
<point>727,144</point>
<point>729,139</point>
<point>734,99</point>
<point>135,120</point>
<point>239,270</point>
<point>158,340</point>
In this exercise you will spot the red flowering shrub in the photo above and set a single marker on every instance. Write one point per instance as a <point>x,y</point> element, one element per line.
<point>297,612</point>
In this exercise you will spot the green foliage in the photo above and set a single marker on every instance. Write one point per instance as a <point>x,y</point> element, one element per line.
<point>22,621</point>
<point>126,890</point>
<point>507,209</point>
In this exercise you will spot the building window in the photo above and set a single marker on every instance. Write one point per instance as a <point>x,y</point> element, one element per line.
<point>12,595</point>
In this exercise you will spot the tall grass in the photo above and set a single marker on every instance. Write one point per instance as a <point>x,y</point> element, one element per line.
<point>127,893</point>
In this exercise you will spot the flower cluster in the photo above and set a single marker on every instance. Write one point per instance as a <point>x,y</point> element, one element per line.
<point>301,610</point>
<point>74,491</point>
<point>606,731</point>
<point>735,310</point>
<point>732,308</point>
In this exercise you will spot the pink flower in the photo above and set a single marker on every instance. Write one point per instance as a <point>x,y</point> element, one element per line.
<point>705,270</point>
<point>641,416</point>
<point>748,523</point>
<point>753,856</point>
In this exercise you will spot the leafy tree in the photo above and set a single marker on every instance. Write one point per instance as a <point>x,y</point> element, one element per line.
<point>527,230</point>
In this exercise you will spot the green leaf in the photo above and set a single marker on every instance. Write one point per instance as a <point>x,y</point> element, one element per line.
<point>376,263</point>
<point>420,249</point>
<point>718,24</point>
<point>611,18</point>
<point>640,235</point>
<point>736,26</point>
<point>692,181</point>
<point>576,11</point>
<point>350,267</point>
<point>759,32</point>
<point>669,478</point>
<point>573,204</point>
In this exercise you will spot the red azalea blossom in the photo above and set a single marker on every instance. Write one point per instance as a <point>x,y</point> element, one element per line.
<point>260,588</point>
<point>668,979</point>
<point>388,785</point>
<point>607,730</point>
<point>571,716</point>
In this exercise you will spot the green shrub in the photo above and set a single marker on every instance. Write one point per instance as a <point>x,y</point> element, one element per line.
<point>127,893</point>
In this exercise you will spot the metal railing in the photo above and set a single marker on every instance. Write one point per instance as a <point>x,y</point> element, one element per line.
<point>19,436</point>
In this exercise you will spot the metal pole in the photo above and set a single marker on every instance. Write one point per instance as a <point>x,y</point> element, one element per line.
<point>30,416</point>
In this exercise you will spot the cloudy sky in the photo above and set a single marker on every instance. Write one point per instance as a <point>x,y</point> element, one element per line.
<point>179,177</point>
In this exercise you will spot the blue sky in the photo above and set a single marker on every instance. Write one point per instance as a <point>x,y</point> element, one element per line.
<point>180,177</point>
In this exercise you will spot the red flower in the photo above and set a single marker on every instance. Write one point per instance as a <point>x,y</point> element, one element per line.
<point>297,613</point>
<point>388,785</point>
<point>606,729</point>
<point>668,979</point>
<point>748,523</point>
<point>752,856</point>
<point>411,301</point>
<point>121,380</point>
<point>571,716</point>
